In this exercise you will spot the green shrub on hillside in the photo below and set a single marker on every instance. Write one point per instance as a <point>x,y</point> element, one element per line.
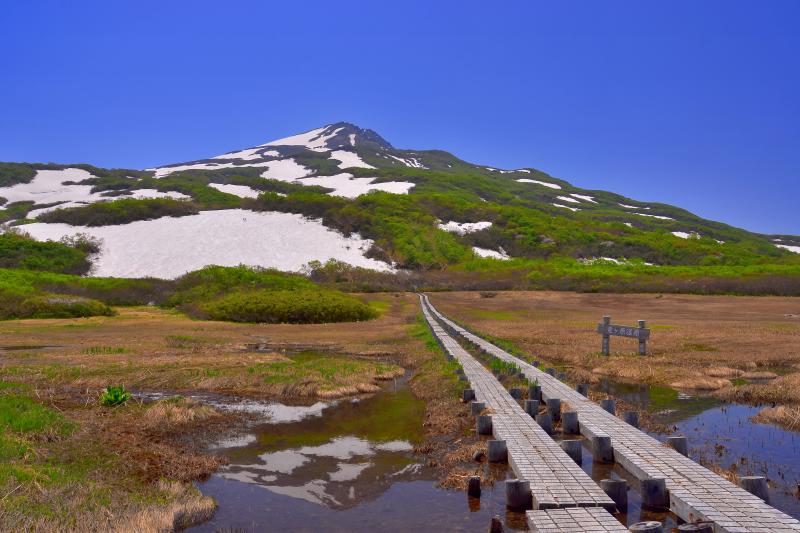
<point>296,307</point>
<point>19,250</point>
<point>120,212</point>
<point>214,281</point>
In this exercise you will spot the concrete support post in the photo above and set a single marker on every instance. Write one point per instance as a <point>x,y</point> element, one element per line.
<point>569,423</point>
<point>655,494</point>
<point>497,451</point>
<point>617,490</point>
<point>602,451</point>
<point>609,405</point>
<point>484,424</point>
<point>554,408</point>
<point>631,417</point>
<point>532,407</point>
<point>518,495</point>
<point>574,449</point>
<point>755,485</point>
<point>680,444</point>
<point>535,392</point>
<point>545,422</point>
<point>467,395</point>
<point>476,408</point>
<point>583,388</point>
<point>515,393</point>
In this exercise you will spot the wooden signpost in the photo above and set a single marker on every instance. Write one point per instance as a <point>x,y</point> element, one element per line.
<point>607,329</point>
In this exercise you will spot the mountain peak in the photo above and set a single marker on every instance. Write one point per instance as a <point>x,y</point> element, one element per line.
<point>337,136</point>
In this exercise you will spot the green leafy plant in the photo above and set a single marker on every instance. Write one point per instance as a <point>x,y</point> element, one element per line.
<point>114,396</point>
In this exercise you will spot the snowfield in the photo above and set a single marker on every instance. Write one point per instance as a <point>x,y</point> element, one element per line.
<point>47,187</point>
<point>285,170</point>
<point>661,217</point>
<point>313,140</point>
<point>349,187</point>
<point>568,199</point>
<point>795,249</point>
<point>349,159</point>
<point>242,191</point>
<point>537,182</point>
<point>584,197</point>
<point>462,228</point>
<point>169,247</point>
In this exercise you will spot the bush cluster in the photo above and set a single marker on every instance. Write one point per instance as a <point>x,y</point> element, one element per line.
<point>298,307</point>
<point>121,211</point>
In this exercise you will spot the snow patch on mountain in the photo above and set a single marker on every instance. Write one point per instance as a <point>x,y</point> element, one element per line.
<point>462,228</point>
<point>485,252</point>
<point>285,170</point>
<point>250,154</point>
<point>537,182</point>
<point>169,247</point>
<point>145,194</point>
<point>566,207</point>
<point>633,207</point>
<point>795,249</point>
<point>568,199</point>
<point>313,140</point>
<point>412,162</point>
<point>661,217</point>
<point>48,187</point>
<point>349,159</point>
<point>350,187</point>
<point>583,197</point>
<point>686,235</point>
<point>242,191</point>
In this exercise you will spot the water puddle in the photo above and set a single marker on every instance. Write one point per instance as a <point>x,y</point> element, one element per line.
<point>722,434</point>
<point>25,347</point>
<point>349,465</point>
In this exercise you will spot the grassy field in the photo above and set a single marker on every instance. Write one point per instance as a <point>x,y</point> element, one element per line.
<point>68,460</point>
<point>718,343</point>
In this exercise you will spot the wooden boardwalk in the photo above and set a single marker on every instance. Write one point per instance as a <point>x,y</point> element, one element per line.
<point>556,481</point>
<point>695,493</point>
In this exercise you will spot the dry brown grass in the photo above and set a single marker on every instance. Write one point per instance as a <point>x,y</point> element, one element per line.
<point>701,383</point>
<point>782,415</point>
<point>783,390</point>
<point>692,336</point>
<point>188,508</point>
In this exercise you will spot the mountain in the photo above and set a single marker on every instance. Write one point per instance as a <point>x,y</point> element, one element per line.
<point>345,193</point>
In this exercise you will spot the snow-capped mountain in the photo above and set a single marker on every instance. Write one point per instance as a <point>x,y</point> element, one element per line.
<point>343,192</point>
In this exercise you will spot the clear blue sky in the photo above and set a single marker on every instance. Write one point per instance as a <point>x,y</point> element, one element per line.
<point>695,103</point>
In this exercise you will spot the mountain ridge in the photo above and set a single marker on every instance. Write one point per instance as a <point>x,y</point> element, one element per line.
<point>410,209</point>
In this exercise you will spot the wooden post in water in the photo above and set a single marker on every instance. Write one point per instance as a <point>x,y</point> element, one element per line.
<point>496,525</point>
<point>573,449</point>
<point>515,393</point>
<point>497,451</point>
<point>518,494</point>
<point>569,423</point>
<point>474,487</point>
<point>755,485</point>
<point>680,444</point>
<point>467,395</point>
<point>606,336</point>
<point>484,424</point>
<point>477,407</point>
<point>583,389</point>
<point>642,340</point>
<point>617,490</point>
<point>655,494</point>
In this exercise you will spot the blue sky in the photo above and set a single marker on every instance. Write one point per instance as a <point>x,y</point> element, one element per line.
<point>694,103</point>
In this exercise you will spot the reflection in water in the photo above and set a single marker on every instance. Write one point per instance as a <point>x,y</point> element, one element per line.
<point>350,469</point>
